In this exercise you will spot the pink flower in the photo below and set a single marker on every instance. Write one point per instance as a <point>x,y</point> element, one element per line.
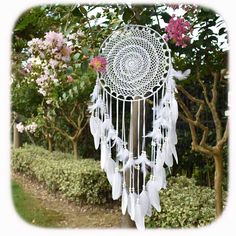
<point>70,78</point>
<point>178,30</point>
<point>41,80</point>
<point>98,63</point>
<point>174,6</point>
<point>53,38</point>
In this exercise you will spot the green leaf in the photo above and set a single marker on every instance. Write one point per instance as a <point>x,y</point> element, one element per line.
<point>76,56</point>
<point>64,96</point>
<point>166,17</point>
<point>76,12</point>
<point>71,93</point>
<point>222,31</point>
<point>98,15</point>
<point>84,66</point>
<point>128,14</point>
<point>85,50</point>
<point>75,89</point>
<point>69,70</point>
<point>83,10</point>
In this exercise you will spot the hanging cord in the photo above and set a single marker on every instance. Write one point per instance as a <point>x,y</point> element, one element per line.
<point>123,125</point>
<point>143,141</point>
<point>123,139</point>
<point>117,128</point>
<point>144,132</point>
<point>153,143</point>
<point>131,146</point>
<point>138,151</point>
<point>132,149</point>
<point>156,111</point>
<point>103,104</point>
<point>110,115</point>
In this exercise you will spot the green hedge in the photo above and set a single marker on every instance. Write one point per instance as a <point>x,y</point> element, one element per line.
<point>184,205</point>
<point>79,180</point>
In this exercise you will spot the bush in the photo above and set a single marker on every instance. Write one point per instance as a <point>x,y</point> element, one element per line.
<point>184,205</point>
<point>79,180</point>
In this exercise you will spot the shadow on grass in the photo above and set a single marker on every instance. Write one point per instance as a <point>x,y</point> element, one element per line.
<point>30,209</point>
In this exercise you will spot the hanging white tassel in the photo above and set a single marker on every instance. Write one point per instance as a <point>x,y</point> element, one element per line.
<point>116,185</point>
<point>152,189</point>
<point>124,200</point>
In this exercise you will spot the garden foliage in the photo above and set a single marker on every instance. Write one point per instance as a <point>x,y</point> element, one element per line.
<point>184,204</point>
<point>79,180</point>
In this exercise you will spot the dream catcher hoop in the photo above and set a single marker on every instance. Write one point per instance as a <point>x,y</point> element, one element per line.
<point>135,161</point>
<point>138,63</point>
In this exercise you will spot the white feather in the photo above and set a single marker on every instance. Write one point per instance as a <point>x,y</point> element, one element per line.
<point>145,203</point>
<point>116,185</point>
<point>139,217</point>
<point>95,128</point>
<point>167,154</point>
<point>106,125</point>
<point>181,75</point>
<point>109,168</point>
<point>123,154</point>
<point>174,109</point>
<point>104,153</point>
<point>131,205</point>
<point>152,189</point>
<point>160,176</point>
<point>129,163</point>
<point>95,93</point>
<point>124,201</point>
<point>98,104</point>
<point>111,134</point>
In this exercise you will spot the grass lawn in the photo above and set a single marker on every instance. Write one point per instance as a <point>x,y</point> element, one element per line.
<point>30,209</point>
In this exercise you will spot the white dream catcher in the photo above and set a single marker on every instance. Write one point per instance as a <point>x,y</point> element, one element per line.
<point>138,68</point>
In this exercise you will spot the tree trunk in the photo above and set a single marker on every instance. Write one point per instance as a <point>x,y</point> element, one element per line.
<point>16,137</point>
<point>75,148</point>
<point>126,221</point>
<point>49,143</point>
<point>218,182</point>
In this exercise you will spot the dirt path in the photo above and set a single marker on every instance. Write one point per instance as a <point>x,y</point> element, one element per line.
<point>105,216</point>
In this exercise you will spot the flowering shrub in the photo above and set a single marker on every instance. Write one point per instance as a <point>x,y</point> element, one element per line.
<point>30,127</point>
<point>20,127</point>
<point>50,62</point>
<point>178,30</point>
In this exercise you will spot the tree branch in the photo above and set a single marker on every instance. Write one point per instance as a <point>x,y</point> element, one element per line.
<point>223,140</point>
<point>188,95</point>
